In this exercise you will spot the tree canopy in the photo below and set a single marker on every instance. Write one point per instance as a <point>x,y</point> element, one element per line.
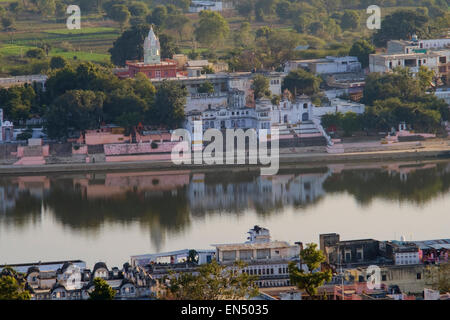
<point>102,290</point>
<point>313,278</point>
<point>214,282</point>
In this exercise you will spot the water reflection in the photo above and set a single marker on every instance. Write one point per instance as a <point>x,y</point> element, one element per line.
<point>169,202</point>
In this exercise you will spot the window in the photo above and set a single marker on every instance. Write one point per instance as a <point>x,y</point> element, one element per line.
<point>419,276</point>
<point>383,277</point>
<point>263,253</point>
<point>246,254</point>
<point>348,256</point>
<point>229,255</point>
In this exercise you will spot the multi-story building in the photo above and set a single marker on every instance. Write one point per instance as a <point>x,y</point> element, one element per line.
<point>265,258</point>
<point>351,253</point>
<point>405,253</point>
<point>433,54</point>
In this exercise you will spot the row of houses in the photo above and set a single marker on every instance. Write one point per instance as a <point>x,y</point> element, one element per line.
<point>71,280</point>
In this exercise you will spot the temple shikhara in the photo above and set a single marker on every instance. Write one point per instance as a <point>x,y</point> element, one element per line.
<point>152,66</point>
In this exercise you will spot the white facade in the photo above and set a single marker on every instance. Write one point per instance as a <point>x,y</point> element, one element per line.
<point>152,49</point>
<point>339,105</point>
<point>265,258</point>
<point>405,258</point>
<point>383,63</point>
<point>6,129</point>
<point>264,116</point>
<point>414,45</point>
<point>434,43</point>
<point>326,65</point>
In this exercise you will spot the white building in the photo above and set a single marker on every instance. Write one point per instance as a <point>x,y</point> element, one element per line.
<point>72,281</point>
<point>383,63</point>
<point>339,105</point>
<point>416,45</point>
<point>172,257</point>
<point>264,116</point>
<point>436,60</point>
<point>230,89</point>
<point>266,258</point>
<point>198,6</point>
<point>6,129</point>
<point>328,65</point>
<point>405,253</point>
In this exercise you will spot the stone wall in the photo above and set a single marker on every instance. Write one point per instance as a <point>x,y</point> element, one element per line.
<point>137,148</point>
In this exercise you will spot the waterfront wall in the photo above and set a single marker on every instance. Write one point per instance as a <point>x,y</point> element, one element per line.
<point>138,148</point>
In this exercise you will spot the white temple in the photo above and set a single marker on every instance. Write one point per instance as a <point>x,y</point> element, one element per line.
<point>152,49</point>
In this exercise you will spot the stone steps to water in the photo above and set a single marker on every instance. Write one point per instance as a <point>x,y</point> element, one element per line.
<point>30,161</point>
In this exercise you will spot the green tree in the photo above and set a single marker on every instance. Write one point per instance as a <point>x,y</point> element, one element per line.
<point>350,123</point>
<point>137,8</point>
<point>8,23</point>
<point>77,110</point>
<point>425,77</point>
<point>245,8</point>
<point>130,45</point>
<point>120,14</point>
<point>12,289</point>
<point>212,28</point>
<point>158,16</point>
<point>102,290</point>
<point>169,105</point>
<point>214,282</point>
<point>331,120</point>
<point>311,279</point>
<point>168,46</point>
<point>58,62</point>
<point>301,82</point>
<point>350,20</point>
<point>362,49</point>
<point>401,24</point>
<point>36,53</point>
<point>284,10</point>
<point>46,7</point>
<point>206,87</point>
<point>260,87</point>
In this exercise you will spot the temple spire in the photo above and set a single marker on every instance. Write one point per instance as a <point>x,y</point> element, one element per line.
<point>152,48</point>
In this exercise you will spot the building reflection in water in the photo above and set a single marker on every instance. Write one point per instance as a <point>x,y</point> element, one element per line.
<point>167,202</point>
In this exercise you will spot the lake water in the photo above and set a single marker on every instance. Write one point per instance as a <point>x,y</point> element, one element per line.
<point>110,216</point>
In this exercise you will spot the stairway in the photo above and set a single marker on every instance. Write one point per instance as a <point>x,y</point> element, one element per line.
<point>30,161</point>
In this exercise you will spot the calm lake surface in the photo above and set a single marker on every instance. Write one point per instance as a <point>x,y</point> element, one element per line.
<point>110,216</point>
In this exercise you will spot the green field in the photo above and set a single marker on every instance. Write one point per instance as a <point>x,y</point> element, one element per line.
<point>88,30</point>
<point>20,50</point>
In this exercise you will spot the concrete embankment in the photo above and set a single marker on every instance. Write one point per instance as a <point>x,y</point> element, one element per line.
<point>286,159</point>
